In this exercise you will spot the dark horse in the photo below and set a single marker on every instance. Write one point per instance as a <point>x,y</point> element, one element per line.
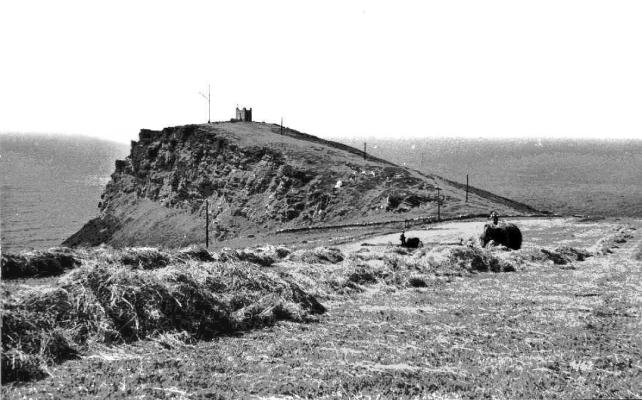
<point>506,234</point>
<point>411,243</point>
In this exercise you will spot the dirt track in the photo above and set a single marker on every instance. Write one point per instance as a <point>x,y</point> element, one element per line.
<point>544,331</point>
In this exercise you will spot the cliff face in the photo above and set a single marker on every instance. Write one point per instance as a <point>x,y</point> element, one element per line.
<point>256,180</point>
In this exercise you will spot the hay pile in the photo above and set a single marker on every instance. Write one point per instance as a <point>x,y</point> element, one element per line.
<point>621,234</point>
<point>107,303</point>
<point>56,261</point>
<point>457,260</point>
<point>563,255</point>
<point>318,255</point>
<point>265,256</point>
<point>148,257</point>
<point>474,259</point>
<point>392,269</point>
<point>38,264</point>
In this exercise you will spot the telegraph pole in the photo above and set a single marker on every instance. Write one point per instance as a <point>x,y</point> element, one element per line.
<point>365,155</point>
<point>207,224</point>
<point>466,188</point>
<point>438,205</point>
<point>209,103</point>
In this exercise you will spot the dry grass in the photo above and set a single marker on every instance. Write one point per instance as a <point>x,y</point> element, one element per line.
<point>115,302</point>
<point>430,323</point>
<point>391,269</point>
<point>264,256</point>
<point>324,255</point>
<point>38,264</point>
<point>619,235</point>
<point>58,260</point>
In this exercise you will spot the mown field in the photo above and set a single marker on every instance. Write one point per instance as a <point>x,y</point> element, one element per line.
<point>558,319</point>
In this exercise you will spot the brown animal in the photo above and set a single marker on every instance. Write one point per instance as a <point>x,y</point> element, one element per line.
<point>411,243</point>
<point>506,234</point>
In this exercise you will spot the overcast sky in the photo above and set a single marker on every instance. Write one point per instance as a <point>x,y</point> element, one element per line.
<point>333,69</point>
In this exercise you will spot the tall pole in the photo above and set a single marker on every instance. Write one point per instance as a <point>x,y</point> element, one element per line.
<point>438,205</point>
<point>209,107</point>
<point>466,188</point>
<point>207,224</point>
<point>365,155</point>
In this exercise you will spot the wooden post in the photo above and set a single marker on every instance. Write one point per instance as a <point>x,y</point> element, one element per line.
<point>207,224</point>
<point>466,188</point>
<point>438,205</point>
<point>365,155</point>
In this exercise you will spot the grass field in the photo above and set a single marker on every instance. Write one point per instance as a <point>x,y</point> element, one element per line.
<point>405,324</point>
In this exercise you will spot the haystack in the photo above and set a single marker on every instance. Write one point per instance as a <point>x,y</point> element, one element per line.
<point>105,302</point>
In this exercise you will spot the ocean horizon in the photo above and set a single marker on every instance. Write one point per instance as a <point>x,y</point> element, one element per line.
<point>51,186</point>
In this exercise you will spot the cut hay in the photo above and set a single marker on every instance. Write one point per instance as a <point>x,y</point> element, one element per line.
<point>563,255</point>
<point>392,270</point>
<point>195,253</point>
<point>38,264</point>
<point>56,261</point>
<point>113,303</point>
<point>265,256</point>
<point>318,255</point>
<point>331,281</point>
<point>144,257</point>
<point>475,259</point>
<point>621,234</point>
<point>457,260</point>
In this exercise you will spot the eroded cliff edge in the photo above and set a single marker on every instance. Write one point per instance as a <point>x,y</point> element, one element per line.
<point>256,179</point>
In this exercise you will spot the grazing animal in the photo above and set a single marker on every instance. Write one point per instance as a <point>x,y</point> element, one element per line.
<point>506,234</point>
<point>411,243</point>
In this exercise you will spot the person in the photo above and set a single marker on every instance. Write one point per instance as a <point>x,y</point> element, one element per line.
<point>403,237</point>
<point>494,216</point>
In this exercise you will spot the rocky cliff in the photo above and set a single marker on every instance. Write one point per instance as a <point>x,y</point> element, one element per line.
<point>257,180</point>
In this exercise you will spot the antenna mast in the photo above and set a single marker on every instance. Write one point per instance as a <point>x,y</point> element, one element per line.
<point>209,104</point>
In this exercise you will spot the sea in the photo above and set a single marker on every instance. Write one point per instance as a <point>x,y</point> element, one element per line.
<point>50,186</point>
<point>588,177</point>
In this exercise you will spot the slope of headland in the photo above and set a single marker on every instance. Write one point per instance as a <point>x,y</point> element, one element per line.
<point>257,179</point>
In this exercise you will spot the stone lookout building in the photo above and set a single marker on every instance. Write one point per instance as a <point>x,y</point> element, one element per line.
<point>244,114</point>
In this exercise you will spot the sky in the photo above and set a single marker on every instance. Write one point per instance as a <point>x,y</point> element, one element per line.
<point>336,69</point>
